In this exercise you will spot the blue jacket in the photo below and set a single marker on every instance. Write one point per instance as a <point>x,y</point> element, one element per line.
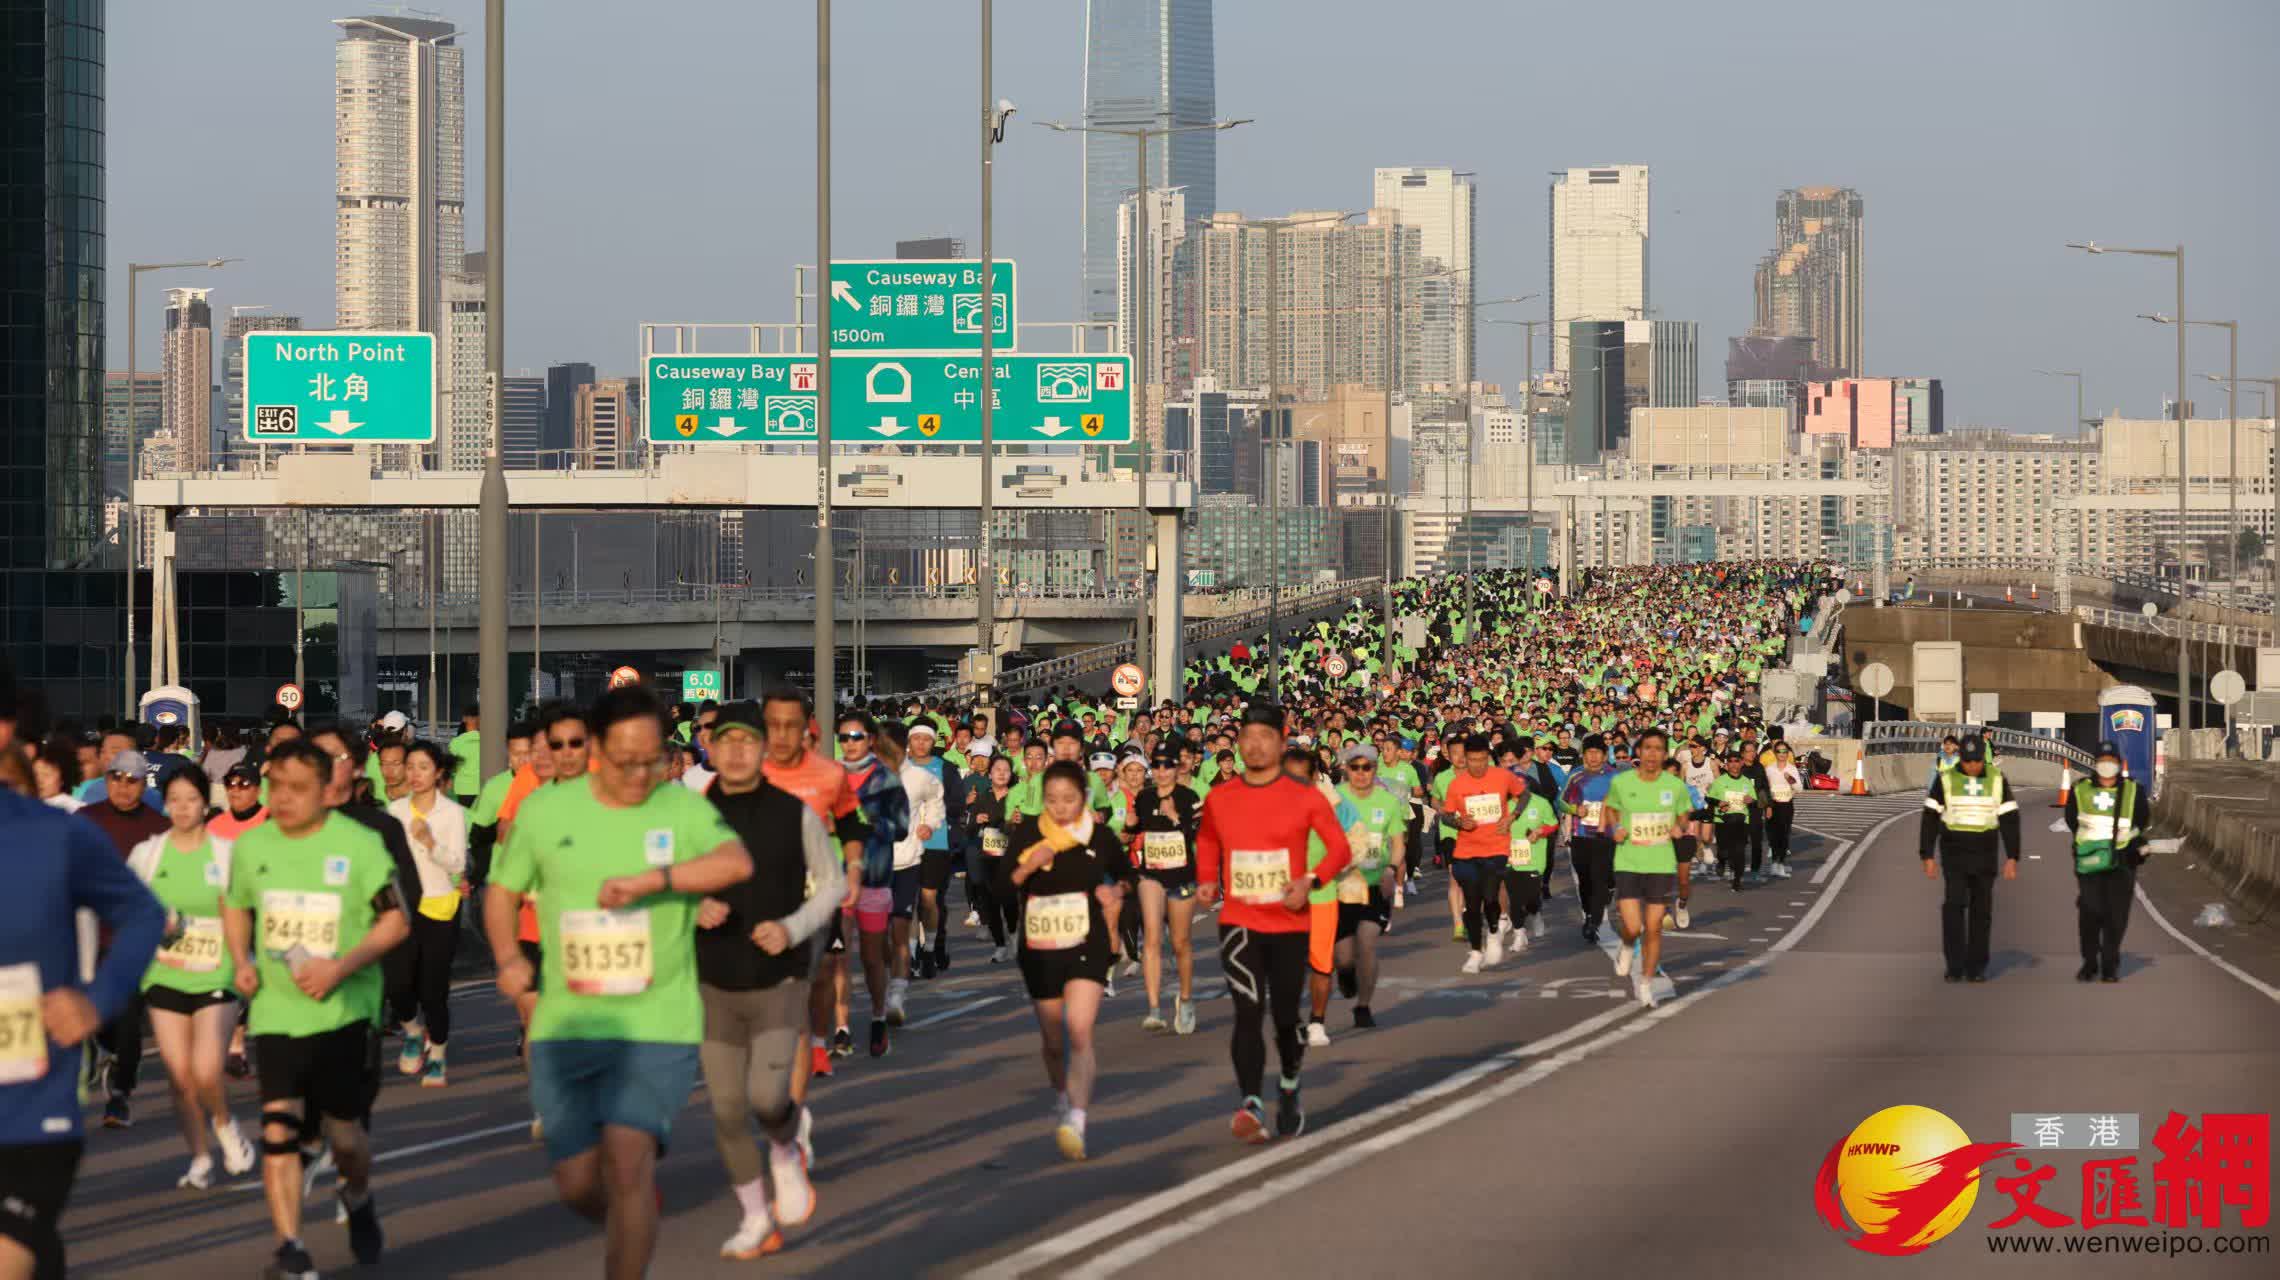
<point>59,865</point>
<point>886,819</point>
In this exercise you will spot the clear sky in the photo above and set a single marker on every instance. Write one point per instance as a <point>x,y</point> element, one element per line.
<point>662,158</point>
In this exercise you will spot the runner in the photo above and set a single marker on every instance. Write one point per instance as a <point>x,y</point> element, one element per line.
<point>1591,846</point>
<point>1164,848</point>
<point>124,815</point>
<point>1381,818</point>
<point>187,987</point>
<point>1731,798</point>
<point>1251,846</point>
<point>922,792</point>
<point>1322,903</point>
<point>313,904</point>
<point>617,863</point>
<point>436,826</point>
<point>561,748</point>
<point>1064,877</point>
<point>938,854</point>
<point>990,814</point>
<point>1649,805</point>
<point>753,959</point>
<point>886,822</point>
<point>1783,782</point>
<point>1530,857</point>
<point>1482,802</point>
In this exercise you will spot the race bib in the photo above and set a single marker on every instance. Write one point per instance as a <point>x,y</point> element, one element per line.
<point>605,953</point>
<point>1650,828</point>
<point>1163,851</point>
<point>1259,877</point>
<point>1732,802</point>
<point>1484,808</point>
<point>23,1032</point>
<point>1056,922</point>
<point>1369,850</point>
<point>1589,813</point>
<point>1523,854</point>
<point>197,949</point>
<point>1352,888</point>
<point>310,921</point>
<point>993,842</point>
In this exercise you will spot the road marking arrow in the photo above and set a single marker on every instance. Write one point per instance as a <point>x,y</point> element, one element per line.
<point>339,423</point>
<point>1052,426</point>
<point>888,427</point>
<point>840,291</point>
<point>727,426</point>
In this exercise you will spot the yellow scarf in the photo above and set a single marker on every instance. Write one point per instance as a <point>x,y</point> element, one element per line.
<point>1058,839</point>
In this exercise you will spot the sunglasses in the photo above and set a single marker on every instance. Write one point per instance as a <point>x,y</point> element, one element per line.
<point>571,745</point>
<point>853,737</point>
<point>1360,766</point>
<point>235,783</point>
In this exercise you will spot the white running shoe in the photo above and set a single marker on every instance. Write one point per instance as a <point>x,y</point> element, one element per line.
<point>1183,1017</point>
<point>1519,941</point>
<point>998,956</point>
<point>1536,924</point>
<point>1685,917</point>
<point>199,1176</point>
<point>1154,1021</point>
<point>1493,954</point>
<point>311,1170</point>
<point>1317,1035</point>
<point>895,992</point>
<point>1472,962</point>
<point>805,1139</point>
<point>1622,958</point>
<point>1131,967</point>
<point>973,919</point>
<point>1108,988</point>
<point>755,1236</point>
<point>787,1169</point>
<point>238,1155</point>
<point>1397,897</point>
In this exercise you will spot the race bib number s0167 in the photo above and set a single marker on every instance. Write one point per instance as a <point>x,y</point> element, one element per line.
<point>1056,922</point>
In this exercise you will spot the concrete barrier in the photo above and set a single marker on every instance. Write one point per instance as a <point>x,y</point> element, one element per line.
<point>2228,811</point>
<point>1893,774</point>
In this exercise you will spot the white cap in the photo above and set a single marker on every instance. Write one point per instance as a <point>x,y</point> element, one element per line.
<point>395,720</point>
<point>978,750</point>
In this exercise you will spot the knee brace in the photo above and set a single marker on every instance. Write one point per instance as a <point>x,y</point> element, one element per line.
<point>290,1146</point>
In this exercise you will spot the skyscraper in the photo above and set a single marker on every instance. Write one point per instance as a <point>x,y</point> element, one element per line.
<point>400,170</point>
<point>188,349</point>
<point>1167,226</point>
<point>464,376</point>
<point>1439,203</point>
<point>1147,63</point>
<point>1810,285</point>
<point>144,403</point>
<point>234,446</point>
<point>1598,249</point>
<point>51,287</point>
<point>522,418</point>
<point>1332,299</point>
<point>561,434</point>
<point>607,427</point>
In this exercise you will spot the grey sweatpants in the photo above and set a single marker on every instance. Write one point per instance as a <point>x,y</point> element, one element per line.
<point>752,1039</point>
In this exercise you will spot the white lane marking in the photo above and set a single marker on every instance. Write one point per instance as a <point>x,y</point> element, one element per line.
<point>957,1011</point>
<point>1829,863</point>
<point>2269,991</point>
<point>1151,1245</point>
<point>1083,1237</point>
<point>423,1148</point>
<point>1798,931</point>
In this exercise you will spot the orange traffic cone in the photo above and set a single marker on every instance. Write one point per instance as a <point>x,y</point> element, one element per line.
<point>2034,591</point>
<point>2065,783</point>
<point>1860,776</point>
<point>2007,594</point>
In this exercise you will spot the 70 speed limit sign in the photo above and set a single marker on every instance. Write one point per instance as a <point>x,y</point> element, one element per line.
<point>1334,666</point>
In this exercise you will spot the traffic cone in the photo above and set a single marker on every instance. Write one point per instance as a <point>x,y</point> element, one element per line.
<point>2034,591</point>
<point>2007,594</point>
<point>1860,775</point>
<point>2065,783</point>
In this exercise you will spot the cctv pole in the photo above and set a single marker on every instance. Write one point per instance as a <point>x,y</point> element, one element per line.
<point>1137,343</point>
<point>826,634</point>
<point>491,632</point>
<point>985,576</point>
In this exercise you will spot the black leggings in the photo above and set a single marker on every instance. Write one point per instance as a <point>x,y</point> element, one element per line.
<point>123,1037</point>
<point>1477,879</point>
<point>431,946</point>
<point>1525,889</point>
<point>1777,828</point>
<point>1734,849</point>
<point>1276,961</point>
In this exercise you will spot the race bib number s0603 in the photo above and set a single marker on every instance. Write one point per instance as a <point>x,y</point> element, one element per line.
<point>1163,851</point>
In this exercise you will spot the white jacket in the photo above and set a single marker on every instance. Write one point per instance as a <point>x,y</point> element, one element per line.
<point>143,859</point>
<point>442,863</point>
<point>926,810</point>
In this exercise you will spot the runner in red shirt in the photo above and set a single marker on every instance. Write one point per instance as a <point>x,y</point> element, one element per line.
<point>1251,846</point>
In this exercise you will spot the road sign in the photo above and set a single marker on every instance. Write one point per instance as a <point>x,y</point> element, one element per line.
<point>349,387</point>
<point>289,696</point>
<point>1128,680</point>
<point>699,686</point>
<point>1876,679</point>
<point>905,306</point>
<point>2227,687</point>
<point>1334,666</point>
<point>907,399</point>
<point>1128,704</point>
<point>624,676</point>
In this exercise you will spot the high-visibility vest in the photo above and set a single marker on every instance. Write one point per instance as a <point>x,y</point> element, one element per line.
<point>2101,828</point>
<point>1970,804</point>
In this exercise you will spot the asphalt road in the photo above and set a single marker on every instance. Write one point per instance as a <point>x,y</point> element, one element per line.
<point>1531,1116</point>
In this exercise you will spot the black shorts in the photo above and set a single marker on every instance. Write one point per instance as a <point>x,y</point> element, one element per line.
<point>1646,886</point>
<point>35,1182</point>
<point>1376,911</point>
<point>906,893</point>
<point>168,1000</point>
<point>1684,847</point>
<point>537,958</point>
<point>934,869</point>
<point>1178,885</point>
<point>1045,973</point>
<point>835,937</point>
<point>337,1071</point>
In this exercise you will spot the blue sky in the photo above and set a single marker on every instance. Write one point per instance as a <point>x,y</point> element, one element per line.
<point>662,158</point>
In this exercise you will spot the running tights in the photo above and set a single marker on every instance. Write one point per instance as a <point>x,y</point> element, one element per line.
<point>1263,970</point>
<point>430,949</point>
<point>1477,879</point>
<point>1525,890</point>
<point>752,1040</point>
<point>1777,828</point>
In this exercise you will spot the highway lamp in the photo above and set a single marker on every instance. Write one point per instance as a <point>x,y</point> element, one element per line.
<point>996,114</point>
<point>2184,652</point>
<point>1135,342</point>
<point>2232,449</point>
<point>2272,545</point>
<point>1472,377</point>
<point>2079,421</point>
<point>130,545</point>
<point>491,510</point>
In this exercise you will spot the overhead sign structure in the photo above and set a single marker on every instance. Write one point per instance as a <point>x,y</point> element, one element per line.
<point>355,386</point>
<point>900,398</point>
<point>919,305</point>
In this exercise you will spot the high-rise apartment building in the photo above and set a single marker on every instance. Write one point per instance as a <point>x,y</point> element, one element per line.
<point>463,378</point>
<point>1148,63</point>
<point>522,419</point>
<point>1439,203</point>
<point>1625,365</point>
<point>188,349</point>
<point>235,448</point>
<point>1598,253</point>
<point>1329,281</point>
<point>607,420</point>
<point>142,402</point>
<point>399,157</point>
<point>1810,285</point>
<point>1871,413</point>
<point>1167,227</point>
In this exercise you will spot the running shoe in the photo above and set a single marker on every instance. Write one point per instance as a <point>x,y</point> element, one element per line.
<point>942,958</point>
<point>925,965</point>
<point>198,1177</point>
<point>238,1155</point>
<point>973,919</point>
<point>433,1077</point>
<point>1622,959</point>
<point>1668,924</point>
<point>819,1060</point>
<point>2087,973</point>
<point>236,1067</point>
<point>878,1038</point>
<point>1590,935</point>
<point>1347,984</point>
<point>1250,1124</point>
<point>1183,1017</point>
<point>1290,1121</point>
<point>843,1043</point>
<point>537,1129</point>
<point>897,990</point>
<point>1131,967</point>
<point>1457,934</point>
<point>1154,1021</point>
<point>787,1169</point>
<point>756,1237</point>
<point>414,1057</point>
<point>117,1114</point>
<point>1363,1018</point>
<point>1493,954</point>
<point>364,1239</point>
<point>1685,917</point>
<point>998,956</point>
<point>319,1163</point>
<point>1472,963</point>
<point>1069,1136</point>
<point>1108,986</point>
<point>1536,925</point>
<point>1317,1035</point>
<point>1519,941</point>
<point>291,1262</point>
<point>805,1139</point>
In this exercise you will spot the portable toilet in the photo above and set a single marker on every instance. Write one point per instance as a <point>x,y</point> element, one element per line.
<point>170,704</point>
<point>2125,715</point>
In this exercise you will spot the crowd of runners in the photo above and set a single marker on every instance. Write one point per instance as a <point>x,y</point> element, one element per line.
<point>749,894</point>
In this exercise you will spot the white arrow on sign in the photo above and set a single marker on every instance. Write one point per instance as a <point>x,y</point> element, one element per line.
<point>887,426</point>
<point>840,291</point>
<point>1052,426</point>
<point>727,427</point>
<point>339,423</point>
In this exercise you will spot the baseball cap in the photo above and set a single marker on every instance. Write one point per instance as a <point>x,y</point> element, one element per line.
<point>130,762</point>
<point>979,751</point>
<point>743,714</point>
<point>1972,748</point>
<point>2109,750</point>
<point>1359,751</point>
<point>1166,758</point>
<point>1269,714</point>
<point>395,720</point>
<point>243,772</point>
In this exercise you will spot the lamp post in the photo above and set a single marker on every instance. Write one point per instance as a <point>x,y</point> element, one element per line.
<point>2232,419</point>
<point>2272,545</point>
<point>1470,378</point>
<point>995,114</point>
<point>826,632</point>
<point>491,498</point>
<point>130,546</point>
<point>2184,651</point>
<point>2079,421</point>
<point>1136,342</point>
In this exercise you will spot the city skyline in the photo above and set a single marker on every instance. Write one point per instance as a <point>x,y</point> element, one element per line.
<point>1973,290</point>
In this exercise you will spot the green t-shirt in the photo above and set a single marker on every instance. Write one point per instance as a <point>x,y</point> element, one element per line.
<point>1441,792</point>
<point>314,891</point>
<point>1401,777</point>
<point>1662,803</point>
<point>1381,818</point>
<point>629,974</point>
<point>489,800</point>
<point>196,958</point>
<point>1027,797</point>
<point>467,774</point>
<point>1531,853</point>
<point>1731,799</point>
<point>1347,816</point>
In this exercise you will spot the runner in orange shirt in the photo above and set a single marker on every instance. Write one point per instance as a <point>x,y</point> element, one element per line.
<point>1480,803</point>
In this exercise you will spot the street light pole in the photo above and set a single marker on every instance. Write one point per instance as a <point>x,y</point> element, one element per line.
<point>985,576</point>
<point>826,633</point>
<point>2076,374</point>
<point>491,517</point>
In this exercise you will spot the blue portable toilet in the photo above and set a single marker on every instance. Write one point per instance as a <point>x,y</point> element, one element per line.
<point>170,704</point>
<point>2125,714</point>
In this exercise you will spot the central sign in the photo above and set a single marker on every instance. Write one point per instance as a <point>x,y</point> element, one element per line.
<point>919,305</point>
<point>902,398</point>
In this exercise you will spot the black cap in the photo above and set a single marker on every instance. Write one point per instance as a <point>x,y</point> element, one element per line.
<point>1166,757</point>
<point>1269,714</point>
<point>243,771</point>
<point>1972,748</point>
<point>743,714</point>
<point>1067,729</point>
<point>2108,749</point>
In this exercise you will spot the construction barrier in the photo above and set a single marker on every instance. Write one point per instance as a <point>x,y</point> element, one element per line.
<point>2065,783</point>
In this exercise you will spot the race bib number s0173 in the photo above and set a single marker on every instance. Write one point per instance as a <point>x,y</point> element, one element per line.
<point>1259,877</point>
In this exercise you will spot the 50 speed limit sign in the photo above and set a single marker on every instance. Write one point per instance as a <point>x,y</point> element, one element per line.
<point>289,696</point>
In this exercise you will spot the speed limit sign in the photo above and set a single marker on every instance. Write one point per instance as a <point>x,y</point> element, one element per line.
<point>289,696</point>
<point>1334,666</point>
<point>1128,679</point>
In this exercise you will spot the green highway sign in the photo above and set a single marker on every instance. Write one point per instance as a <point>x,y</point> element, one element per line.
<point>918,305</point>
<point>910,399</point>
<point>697,686</point>
<point>349,387</point>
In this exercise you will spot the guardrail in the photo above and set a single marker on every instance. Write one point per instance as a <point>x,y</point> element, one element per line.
<point>2173,627</point>
<point>1922,737</point>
